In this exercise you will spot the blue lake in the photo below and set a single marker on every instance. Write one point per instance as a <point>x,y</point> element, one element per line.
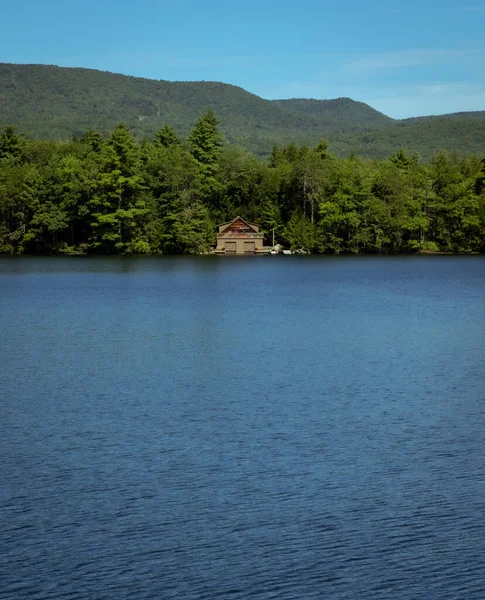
<point>246,428</point>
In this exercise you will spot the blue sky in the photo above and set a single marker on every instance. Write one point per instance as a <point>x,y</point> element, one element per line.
<point>403,58</point>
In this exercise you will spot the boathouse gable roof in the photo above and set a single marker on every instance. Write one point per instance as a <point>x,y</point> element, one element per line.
<point>238,221</point>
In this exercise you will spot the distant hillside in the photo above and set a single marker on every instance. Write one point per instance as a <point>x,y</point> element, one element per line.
<point>474,114</point>
<point>337,111</point>
<point>55,102</point>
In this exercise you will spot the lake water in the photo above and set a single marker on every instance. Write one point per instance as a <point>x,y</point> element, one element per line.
<point>247,428</point>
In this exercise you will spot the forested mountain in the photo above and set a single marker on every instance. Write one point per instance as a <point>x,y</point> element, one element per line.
<point>51,102</point>
<point>341,111</point>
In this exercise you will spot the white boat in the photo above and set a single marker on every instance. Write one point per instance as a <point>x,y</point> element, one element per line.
<point>287,252</point>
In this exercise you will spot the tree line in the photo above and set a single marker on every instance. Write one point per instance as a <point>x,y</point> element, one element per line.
<point>96,194</point>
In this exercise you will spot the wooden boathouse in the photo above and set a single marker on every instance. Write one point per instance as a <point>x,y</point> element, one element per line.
<point>239,237</point>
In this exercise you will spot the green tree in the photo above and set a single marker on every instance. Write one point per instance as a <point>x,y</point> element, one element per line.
<point>118,206</point>
<point>166,137</point>
<point>11,144</point>
<point>480,179</point>
<point>300,232</point>
<point>19,200</point>
<point>205,142</point>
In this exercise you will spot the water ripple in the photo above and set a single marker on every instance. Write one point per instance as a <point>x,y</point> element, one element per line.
<point>183,428</point>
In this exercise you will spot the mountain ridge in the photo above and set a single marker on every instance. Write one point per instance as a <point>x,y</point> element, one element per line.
<point>52,102</point>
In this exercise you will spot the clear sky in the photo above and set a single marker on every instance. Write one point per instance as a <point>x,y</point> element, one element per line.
<point>403,58</point>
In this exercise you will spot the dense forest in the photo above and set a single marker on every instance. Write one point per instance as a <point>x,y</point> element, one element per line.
<point>113,194</point>
<point>48,102</point>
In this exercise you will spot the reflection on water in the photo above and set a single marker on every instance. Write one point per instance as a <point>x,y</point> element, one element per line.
<point>270,427</point>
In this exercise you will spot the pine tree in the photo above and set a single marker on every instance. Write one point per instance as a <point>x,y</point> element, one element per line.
<point>118,206</point>
<point>480,180</point>
<point>166,137</point>
<point>205,142</point>
<point>11,144</point>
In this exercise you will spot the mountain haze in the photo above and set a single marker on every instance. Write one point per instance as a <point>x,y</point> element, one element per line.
<point>56,103</point>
